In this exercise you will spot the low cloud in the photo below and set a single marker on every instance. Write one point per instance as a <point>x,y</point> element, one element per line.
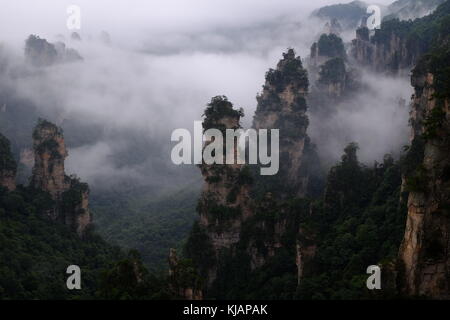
<point>166,60</point>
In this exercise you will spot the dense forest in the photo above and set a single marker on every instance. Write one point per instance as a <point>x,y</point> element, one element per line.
<point>307,233</point>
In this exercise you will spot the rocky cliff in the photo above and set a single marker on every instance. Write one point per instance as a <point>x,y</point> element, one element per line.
<point>329,46</point>
<point>224,202</point>
<point>8,167</point>
<point>424,252</point>
<point>398,45</point>
<point>49,153</point>
<point>282,105</point>
<point>245,217</point>
<point>71,197</point>
<point>331,73</point>
<point>386,51</point>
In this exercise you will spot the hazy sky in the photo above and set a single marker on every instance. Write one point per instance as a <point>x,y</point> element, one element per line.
<point>167,59</point>
<point>125,17</point>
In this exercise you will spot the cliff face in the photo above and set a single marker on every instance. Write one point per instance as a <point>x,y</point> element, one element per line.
<point>245,217</point>
<point>425,251</point>
<point>282,105</point>
<point>8,167</point>
<point>50,153</point>
<point>331,73</point>
<point>398,45</point>
<point>71,196</point>
<point>387,53</point>
<point>329,46</point>
<point>224,202</point>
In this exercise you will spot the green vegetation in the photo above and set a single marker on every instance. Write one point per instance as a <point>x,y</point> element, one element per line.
<point>331,45</point>
<point>153,226</point>
<point>289,71</point>
<point>44,124</point>
<point>419,35</point>
<point>216,110</point>
<point>128,279</point>
<point>74,196</point>
<point>7,161</point>
<point>198,248</point>
<point>434,122</point>
<point>35,252</point>
<point>332,71</point>
<point>359,222</point>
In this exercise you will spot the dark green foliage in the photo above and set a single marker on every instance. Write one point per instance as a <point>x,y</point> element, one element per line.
<point>217,109</point>
<point>150,226</point>
<point>436,63</point>
<point>413,157</point>
<point>440,68</point>
<point>35,252</point>
<point>363,225</point>
<point>198,248</point>
<point>419,35</point>
<point>129,280</point>
<point>331,45</point>
<point>277,278</point>
<point>44,124</point>
<point>289,71</point>
<point>7,161</point>
<point>271,102</point>
<point>50,146</point>
<point>185,275</point>
<point>47,144</point>
<point>73,197</point>
<point>221,213</point>
<point>332,71</point>
<point>245,176</point>
<point>434,122</point>
<point>300,104</point>
<point>360,222</point>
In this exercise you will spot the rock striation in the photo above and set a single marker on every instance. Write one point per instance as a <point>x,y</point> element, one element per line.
<point>424,253</point>
<point>71,197</point>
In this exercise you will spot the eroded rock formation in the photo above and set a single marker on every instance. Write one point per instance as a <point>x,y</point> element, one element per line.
<point>282,105</point>
<point>243,215</point>
<point>224,202</point>
<point>386,51</point>
<point>425,250</point>
<point>71,197</point>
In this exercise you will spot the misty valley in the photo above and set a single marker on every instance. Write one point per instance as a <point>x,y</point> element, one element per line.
<point>283,150</point>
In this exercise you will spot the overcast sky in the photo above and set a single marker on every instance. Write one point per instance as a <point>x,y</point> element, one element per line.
<point>167,59</point>
<point>125,18</point>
